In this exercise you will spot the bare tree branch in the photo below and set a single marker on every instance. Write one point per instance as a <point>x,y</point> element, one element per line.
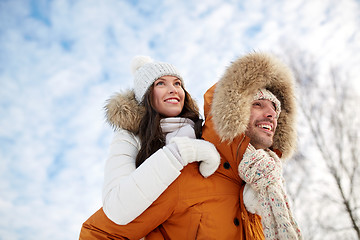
<point>331,113</point>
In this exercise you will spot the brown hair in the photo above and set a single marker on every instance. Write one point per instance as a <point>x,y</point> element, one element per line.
<point>151,136</point>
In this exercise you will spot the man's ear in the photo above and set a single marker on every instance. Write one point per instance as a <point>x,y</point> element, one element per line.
<point>274,105</point>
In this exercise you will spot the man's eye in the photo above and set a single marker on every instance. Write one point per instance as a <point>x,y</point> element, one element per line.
<point>256,104</point>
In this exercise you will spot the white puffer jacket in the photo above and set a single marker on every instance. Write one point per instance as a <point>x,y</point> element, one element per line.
<point>126,192</point>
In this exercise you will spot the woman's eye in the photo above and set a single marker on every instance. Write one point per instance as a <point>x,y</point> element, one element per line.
<point>177,83</point>
<point>159,83</point>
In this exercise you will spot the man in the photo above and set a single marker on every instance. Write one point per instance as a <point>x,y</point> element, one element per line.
<point>196,208</point>
<point>253,108</point>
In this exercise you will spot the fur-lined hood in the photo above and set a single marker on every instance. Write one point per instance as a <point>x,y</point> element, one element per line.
<point>123,111</point>
<point>234,93</point>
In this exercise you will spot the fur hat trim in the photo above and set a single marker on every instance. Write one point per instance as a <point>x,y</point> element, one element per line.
<point>236,89</point>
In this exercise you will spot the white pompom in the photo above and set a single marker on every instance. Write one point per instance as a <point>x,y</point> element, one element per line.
<point>139,61</point>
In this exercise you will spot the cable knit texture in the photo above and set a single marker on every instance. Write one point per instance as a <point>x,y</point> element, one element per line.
<point>146,71</point>
<point>262,169</point>
<point>266,94</point>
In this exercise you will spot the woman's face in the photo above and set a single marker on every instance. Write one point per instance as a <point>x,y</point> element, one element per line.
<point>168,96</point>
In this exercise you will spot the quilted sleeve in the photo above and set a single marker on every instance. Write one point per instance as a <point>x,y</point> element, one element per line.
<point>128,190</point>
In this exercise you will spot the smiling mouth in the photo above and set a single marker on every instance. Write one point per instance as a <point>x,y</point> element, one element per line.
<point>172,100</point>
<point>265,126</point>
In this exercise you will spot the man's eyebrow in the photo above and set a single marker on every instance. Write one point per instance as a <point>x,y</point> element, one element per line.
<point>259,100</point>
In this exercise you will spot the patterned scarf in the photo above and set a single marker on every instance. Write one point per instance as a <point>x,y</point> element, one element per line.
<point>262,169</point>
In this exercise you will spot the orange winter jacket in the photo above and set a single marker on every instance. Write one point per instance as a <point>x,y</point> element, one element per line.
<point>192,207</point>
<point>231,154</point>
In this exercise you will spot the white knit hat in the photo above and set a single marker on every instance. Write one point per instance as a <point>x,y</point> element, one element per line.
<point>266,94</point>
<point>146,71</point>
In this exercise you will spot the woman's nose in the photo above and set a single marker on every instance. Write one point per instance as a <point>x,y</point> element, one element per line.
<point>172,89</point>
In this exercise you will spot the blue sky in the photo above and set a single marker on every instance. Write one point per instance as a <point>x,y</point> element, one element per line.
<point>61,59</point>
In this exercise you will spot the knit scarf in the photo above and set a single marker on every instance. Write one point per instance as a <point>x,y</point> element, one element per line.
<point>262,169</point>
<point>177,127</point>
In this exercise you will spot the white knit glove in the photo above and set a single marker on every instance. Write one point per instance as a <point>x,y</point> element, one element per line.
<point>196,150</point>
<point>251,200</point>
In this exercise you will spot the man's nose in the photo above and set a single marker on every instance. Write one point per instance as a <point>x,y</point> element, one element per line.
<point>270,112</point>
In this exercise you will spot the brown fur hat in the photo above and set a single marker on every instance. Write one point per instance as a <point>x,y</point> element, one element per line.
<point>235,91</point>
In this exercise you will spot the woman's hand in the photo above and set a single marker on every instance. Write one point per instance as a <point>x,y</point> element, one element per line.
<point>196,150</point>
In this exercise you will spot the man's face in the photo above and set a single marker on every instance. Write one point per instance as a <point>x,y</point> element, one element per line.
<point>262,124</point>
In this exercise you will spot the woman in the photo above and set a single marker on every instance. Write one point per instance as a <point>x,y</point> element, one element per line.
<point>143,186</point>
<point>144,158</point>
